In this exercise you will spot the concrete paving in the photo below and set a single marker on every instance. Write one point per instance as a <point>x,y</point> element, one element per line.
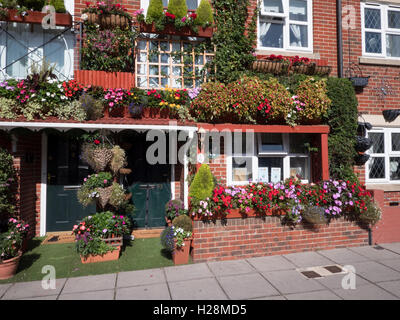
<point>377,277</point>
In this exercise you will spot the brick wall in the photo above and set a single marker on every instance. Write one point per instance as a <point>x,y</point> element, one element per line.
<point>255,236</point>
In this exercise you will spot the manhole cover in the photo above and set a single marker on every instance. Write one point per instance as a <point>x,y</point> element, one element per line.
<point>333,269</point>
<point>311,274</point>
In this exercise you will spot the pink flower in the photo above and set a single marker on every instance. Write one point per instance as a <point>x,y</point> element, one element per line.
<point>105,181</point>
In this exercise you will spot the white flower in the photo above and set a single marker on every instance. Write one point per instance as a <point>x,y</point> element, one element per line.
<point>48,94</point>
<point>43,99</point>
<point>84,16</point>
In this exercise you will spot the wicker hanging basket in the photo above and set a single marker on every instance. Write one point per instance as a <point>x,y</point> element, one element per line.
<point>104,195</point>
<point>98,158</point>
<point>108,21</point>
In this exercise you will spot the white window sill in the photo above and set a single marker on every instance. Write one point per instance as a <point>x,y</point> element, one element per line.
<point>385,187</point>
<point>379,61</point>
<point>287,53</point>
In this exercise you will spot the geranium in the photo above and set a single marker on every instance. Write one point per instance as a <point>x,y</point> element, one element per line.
<point>170,15</point>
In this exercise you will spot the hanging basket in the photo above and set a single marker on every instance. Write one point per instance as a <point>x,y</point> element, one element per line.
<point>108,21</point>
<point>315,215</point>
<point>391,115</point>
<point>361,159</point>
<point>363,144</point>
<point>104,195</point>
<point>358,80</point>
<point>100,158</point>
<point>267,66</point>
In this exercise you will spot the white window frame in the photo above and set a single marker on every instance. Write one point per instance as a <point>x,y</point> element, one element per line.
<point>387,135</point>
<point>286,28</point>
<point>285,155</point>
<point>384,31</point>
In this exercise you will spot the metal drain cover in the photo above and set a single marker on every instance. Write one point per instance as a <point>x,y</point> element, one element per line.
<point>333,269</point>
<point>311,274</point>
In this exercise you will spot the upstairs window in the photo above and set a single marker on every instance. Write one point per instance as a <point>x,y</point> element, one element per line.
<point>285,24</point>
<point>381,30</point>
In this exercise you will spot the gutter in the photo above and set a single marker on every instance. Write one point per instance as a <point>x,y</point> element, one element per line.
<point>339,37</point>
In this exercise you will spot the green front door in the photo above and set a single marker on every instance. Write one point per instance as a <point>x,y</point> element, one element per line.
<point>150,185</point>
<point>65,172</point>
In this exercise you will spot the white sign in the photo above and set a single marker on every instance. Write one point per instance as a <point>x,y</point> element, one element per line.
<point>275,175</point>
<point>263,175</point>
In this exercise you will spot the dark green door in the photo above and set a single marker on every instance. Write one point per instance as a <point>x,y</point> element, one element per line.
<point>65,172</point>
<point>150,185</point>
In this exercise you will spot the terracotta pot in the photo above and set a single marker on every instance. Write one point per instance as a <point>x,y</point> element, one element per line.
<point>118,112</point>
<point>109,256</point>
<point>181,254</point>
<point>8,268</point>
<point>164,113</point>
<point>146,112</point>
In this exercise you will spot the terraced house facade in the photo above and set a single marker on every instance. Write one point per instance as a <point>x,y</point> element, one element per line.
<point>359,40</point>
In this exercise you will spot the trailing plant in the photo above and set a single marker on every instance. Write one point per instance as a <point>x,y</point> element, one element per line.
<point>8,108</point>
<point>92,186</point>
<point>118,196</point>
<point>118,160</point>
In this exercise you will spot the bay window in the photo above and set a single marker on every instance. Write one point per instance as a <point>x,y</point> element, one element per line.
<point>268,158</point>
<point>384,163</point>
<point>285,24</point>
<point>381,30</point>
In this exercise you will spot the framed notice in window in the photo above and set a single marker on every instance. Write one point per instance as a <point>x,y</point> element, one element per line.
<point>275,175</point>
<point>263,175</point>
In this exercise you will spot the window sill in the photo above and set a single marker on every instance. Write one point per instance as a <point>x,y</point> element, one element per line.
<point>379,61</point>
<point>385,187</point>
<point>287,53</point>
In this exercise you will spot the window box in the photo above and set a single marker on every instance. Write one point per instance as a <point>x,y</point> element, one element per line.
<point>108,21</point>
<point>125,80</point>
<point>312,69</point>
<point>115,242</point>
<point>170,29</point>
<point>36,17</point>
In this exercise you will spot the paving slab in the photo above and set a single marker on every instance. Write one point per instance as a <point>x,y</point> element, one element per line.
<point>291,281</point>
<point>375,272</point>
<point>335,281</point>
<point>375,254</point>
<point>4,287</point>
<point>308,259</point>
<point>158,291</point>
<point>392,263</point>
<point>392,246</point>
<point>343,256</point>
<point>22,290</point>
<point>368,292</point>
<point>315,295</point>
<point>271,263</point>
<point>391,286</point>
<point>230,268</point>
<point>92,295</point>
<point>90,283</point>
<point>199,289</point>
<point>271,298</point>
<point>188,272</point>
<point>140,277</point>
<point>54,297</point>
<point>246,286</point>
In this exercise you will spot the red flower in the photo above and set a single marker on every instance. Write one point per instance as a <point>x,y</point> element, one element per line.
<point>96,142</point>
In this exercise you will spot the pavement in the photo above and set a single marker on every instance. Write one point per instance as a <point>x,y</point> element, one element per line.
<point>368,273</point>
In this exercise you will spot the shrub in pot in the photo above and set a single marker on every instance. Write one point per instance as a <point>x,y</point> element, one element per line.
<point>10,253</point>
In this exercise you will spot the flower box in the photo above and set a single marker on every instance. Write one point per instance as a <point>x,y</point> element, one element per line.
<point>312,69</point>
<point>36,17</point>
<point>108,21</point>
<point>115,242</point>
<point>124,80</point>
<point>170,29</point>
<point>116,112</point>
<point>275,67</point>
<point>181,254</point>
<point>9,267</point>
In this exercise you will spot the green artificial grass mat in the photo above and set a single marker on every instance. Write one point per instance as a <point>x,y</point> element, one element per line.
<point>136,255</point>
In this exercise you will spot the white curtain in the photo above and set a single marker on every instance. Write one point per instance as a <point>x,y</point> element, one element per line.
<point>297,34</point>
<point>264,28</point>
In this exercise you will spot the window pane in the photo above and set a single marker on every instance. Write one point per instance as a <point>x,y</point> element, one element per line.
<point>298,35</point>
<point>299,168</point>
<point>191,4</point>
<point>271,142</point>
<point>394,19</point>
<point>273,6</point>
<point>165,3</point>
<point>243,143</point>
<point>297,142</point>
<point>373,42</point>
<point>242,169</point>
<point>377,168</point>
<point>270,169</point>
<point>271,34</point>
<point>298,10</point>
<point>393,45</point>
<point>395,141</point>
<point>378,142</point>
<point>372,18</point>
<point>395,168</point>
<point>15,52</point>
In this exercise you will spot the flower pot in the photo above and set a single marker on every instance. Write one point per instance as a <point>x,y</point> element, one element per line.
<point>8,268</point>
<point>135,111</point>
<point>116,112</point>
<point>181,254</point>
<point>109,256</point>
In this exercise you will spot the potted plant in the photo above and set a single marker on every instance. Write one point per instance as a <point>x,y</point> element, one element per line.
<point>97,151</point>
<point>272,64</point>
<point>99,237</point>
<point>173,209</point>
<point>10,253</point>
<point>19,226</point>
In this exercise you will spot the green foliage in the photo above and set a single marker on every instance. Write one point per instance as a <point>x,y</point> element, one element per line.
<point>177,8</point>
<point>8,108</point>
<point>118,196</point>
<point>87,245</point>
<point>71,110</point>
<point>279,98</point>
<point>372,215</point>
<point>10,244</point>
<point>174,208</point>
<point>183,222</point>
<point>33,110</point>
<point>203,184</point>
<point>154,11</point>
<point>233,41</point>
<point>93,107</point>
<point>342,118</point>
<point>7,177</point>
<point>204,13</point>
<point>58,5</point>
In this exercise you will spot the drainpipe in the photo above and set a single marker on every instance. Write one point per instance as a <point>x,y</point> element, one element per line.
<point>340,37</point>
<point>369,236</point>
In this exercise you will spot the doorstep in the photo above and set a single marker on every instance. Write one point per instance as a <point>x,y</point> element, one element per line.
<point>147,233</point>
<point>59,237</point>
